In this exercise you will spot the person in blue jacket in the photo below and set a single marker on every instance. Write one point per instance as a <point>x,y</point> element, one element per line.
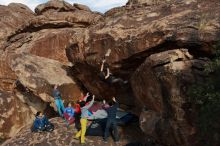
<point>69,114</point>
<point>58,101</point>
<point>41,123</point>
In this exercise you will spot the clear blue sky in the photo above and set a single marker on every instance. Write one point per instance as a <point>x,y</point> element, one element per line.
<point>96,5</point>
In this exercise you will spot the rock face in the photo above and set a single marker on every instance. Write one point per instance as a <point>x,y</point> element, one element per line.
<point>11,18</point>
<point>159,46</point>
<point>169,74</point>
<point>33,57</point>
<point>17,15</point>
<point>14,114</point>
<point>134,33</point>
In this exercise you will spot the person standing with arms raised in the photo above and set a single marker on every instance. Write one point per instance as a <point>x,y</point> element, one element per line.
<point>83,121</point>
<point>58,101</point>
<point>111,109</point>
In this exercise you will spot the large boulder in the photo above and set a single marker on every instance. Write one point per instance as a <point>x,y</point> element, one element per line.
<point>81,7</point>
<point>13,16</point>
<point>54,5</point>
<point>62,11</point>
<point>46,36</point>
<point>38,73</point>
<point>33,52</point>
<point>146,44</point>
<point>13,114</point>
<point>155,45</point>
<point>160,84</point>
<point>51,43</point>
<point>132,34</point>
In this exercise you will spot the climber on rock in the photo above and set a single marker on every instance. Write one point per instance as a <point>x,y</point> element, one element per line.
<point>111,109</point>
<point>41,123</point>
<point>58,101</point>
<point>107,76</point>
<point>69,114</point>
<point>83,121</point>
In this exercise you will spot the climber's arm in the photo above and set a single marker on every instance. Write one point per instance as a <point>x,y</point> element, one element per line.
<point>102,66</point>
<point>108,73</point>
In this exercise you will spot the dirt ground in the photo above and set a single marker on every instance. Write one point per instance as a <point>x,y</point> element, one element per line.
<point>130,135</point>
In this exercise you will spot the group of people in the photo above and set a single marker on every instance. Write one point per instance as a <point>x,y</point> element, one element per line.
<point>81,110</point>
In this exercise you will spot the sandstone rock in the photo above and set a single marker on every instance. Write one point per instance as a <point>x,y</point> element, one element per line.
<point>54,5</point>
<point>20,7</point>
<point>134,31</point>
<point>84,18</point>
<point>145,2</point>
<point>7,76</point>
<point>21,64</point>
<point>156,2</point>
<point>81,7</point>
<point>33,46</point>
<point>39,74</point>
<point>149,121</point>
<point>12,17</point>
<point>145,38</point>
<point>134,34</point>
<point>48,43</point>
<point>164,79</point>
<point>51,43</point>
<point>40,37</point>
<point>13,114</point>
<point>55,20</point>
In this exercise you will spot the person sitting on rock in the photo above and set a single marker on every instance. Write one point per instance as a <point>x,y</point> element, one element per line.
<point>107,76</point>
<point>83,121</point>
<point>111,110</point>
<point>69,114</point>
<point>58,101</point>
<point>41,123</point>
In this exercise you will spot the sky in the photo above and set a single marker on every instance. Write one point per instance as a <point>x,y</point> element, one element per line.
<point>95,5</point>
